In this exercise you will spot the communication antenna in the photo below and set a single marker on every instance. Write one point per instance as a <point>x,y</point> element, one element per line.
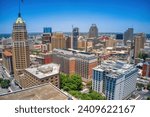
<point>19,3</point>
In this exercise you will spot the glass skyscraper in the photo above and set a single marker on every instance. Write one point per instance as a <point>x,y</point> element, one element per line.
<point>75,33</point>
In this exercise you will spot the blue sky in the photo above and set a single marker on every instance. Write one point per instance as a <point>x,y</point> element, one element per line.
<point>109,15</point>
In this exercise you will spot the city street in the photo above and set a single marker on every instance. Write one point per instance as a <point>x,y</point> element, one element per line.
<point>142,95</point>
<point>13,86</point>
<point>1,71</point>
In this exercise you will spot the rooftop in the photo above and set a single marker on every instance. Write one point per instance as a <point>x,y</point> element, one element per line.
<point>7,53</point>
<point>114,69</point>
<point>41,92</point>
<point>75,53</point>
<point>19,20</point>
<point>44,70</point>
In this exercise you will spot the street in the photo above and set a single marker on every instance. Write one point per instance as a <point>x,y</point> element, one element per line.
<point>13,87</point>
<point>142,95</point>
<point>1,71</point>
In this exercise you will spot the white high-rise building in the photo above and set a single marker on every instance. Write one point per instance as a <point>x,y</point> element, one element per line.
<point>116,80</point>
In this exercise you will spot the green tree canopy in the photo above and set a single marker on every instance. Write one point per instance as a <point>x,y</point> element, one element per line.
<point>5,83</point>
<point>148,86</point>
<point>148,98</point>
<point>68,83</point>
<point>73,85</point>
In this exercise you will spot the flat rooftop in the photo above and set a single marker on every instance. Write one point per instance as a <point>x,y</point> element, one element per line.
<point>7,53</point>
<point>44,70</point>
<point>41,92</point>
<point>114,69</point>
<point>75,53</point>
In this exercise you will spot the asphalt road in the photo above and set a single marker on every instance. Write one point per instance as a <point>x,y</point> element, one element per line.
<point>142,95</point>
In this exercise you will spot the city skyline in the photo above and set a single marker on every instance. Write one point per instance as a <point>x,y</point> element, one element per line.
<point>109,16</point>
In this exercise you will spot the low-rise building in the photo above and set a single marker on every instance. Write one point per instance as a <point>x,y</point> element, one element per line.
<point>39,75</point>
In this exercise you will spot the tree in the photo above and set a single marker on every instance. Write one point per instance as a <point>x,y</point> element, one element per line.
<point>5,83</point>
<point>69,83</point>
<point>139,85</point>
<point>145,56</point>
<point>140,55</point>
<point>87,96</point>
<point>1,80</point>
<point>89,85</point>
<point>148,87</point>
<point>73,85</point>
<point>148,98</point>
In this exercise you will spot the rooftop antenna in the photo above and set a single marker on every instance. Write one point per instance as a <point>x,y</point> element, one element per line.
<point>19,13</point>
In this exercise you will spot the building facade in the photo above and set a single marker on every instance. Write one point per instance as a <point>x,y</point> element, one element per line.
<point>68,42</point>
<point>7,61</point>
<point>138,44</point>
<point>58,41</point>
<point>116,80</point>
<point>75,62</point>
<point>128,35</point>
<point>21,59</point>
<point>46,37</point>
<point>146,69</point>
<point>75,33</point>
<point>93,31</point>
<point>41,75</point>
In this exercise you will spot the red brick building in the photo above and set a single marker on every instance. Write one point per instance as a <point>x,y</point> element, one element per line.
<point>146,69</point>
<point>75,62</point>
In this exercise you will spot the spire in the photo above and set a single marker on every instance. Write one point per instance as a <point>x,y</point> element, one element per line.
<point>19,14</point>
<point>19,19</point>
<point>19,3</point>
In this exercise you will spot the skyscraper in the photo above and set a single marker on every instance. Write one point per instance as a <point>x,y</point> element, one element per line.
<point>68,41</point>
<point>93,31</point>
<point>128,35</point>
<point>138,44</point>
<point>21,59</point>
<point>58,41</point>
<point>47,33</point>
<point>75,33</point>
<point>46,37</point>
<point>47,30</point>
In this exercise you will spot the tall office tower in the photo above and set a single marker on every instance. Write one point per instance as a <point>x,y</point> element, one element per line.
<point>119,36</point>
<point>21,59</point>
<point>58,41</point>
<point>75,62</point>
<point>75,33</point>
<point>68,42</point>
<point>46,37</point>
<point>47,33</point>
<point>128,35</point>
<point>138,44</point>
<point>117,80</point>
<point>93,31</point>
